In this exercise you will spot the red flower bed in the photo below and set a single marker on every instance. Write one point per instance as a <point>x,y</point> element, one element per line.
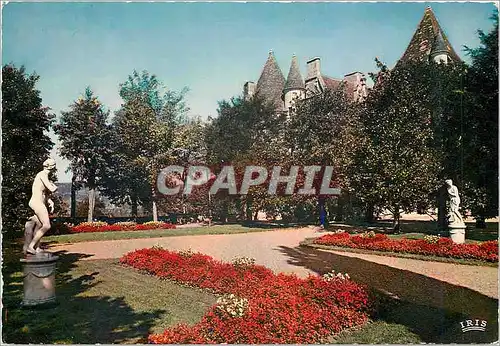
<point>280,308</point>
<point>102,227</point>
<point>443,247</point>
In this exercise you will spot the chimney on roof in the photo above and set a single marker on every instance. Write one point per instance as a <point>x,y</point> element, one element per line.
<point>358,81</point>
<point>313,68</point>
<point>248,90</point>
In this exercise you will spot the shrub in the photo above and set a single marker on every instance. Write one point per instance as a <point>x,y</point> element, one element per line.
<point>232,305</point>
<point>243,261</point>
<point>186,253</point>
<point>332,276</point>
<point>431,239</point>
<point>126,225</point>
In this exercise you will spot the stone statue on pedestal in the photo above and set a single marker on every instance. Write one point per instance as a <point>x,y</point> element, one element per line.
<point>39,224</point>
<point>456,225</point>
<point>453,214</point>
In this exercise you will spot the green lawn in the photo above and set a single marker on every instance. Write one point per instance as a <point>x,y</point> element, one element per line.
<point>156,233</point>
<point>98,302</point>
<point>402,322</point>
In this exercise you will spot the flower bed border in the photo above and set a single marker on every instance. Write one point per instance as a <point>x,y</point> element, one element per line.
<point>310,242</point>
<point>282,308</point>
<point>89,228</point>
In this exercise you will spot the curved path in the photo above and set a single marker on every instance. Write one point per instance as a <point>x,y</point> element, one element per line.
<point>279,251</point>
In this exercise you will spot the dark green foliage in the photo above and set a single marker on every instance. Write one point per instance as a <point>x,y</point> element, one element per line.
<point>241,124</point>
<point>168,105</point>
<point>322,132</point>
<point>84,135</point>
<point>85,139</point>
<point>188,148</point>
<point>246,132</point>
<point>481,126</point>
<point>142,134</point>
<point>135,144</point>
<point>396,167</point>
<point>25,144</point>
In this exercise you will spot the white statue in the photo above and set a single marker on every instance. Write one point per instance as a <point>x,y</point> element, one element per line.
<point>39,223</point>
<point>454,203</point>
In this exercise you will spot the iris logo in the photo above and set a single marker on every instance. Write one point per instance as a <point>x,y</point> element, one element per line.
<point>470,325</point>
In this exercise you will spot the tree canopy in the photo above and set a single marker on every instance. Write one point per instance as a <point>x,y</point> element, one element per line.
<point>85,137</point>
<point>25,142</point>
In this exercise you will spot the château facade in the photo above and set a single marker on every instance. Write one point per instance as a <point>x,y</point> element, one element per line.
<point>283,93</point>
<point>429,42</point>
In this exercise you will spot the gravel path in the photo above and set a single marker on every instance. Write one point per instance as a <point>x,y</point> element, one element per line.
<point>279,251</point>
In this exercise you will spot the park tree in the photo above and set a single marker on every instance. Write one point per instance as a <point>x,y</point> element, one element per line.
<point>25,143</point>
<point>449,104</point>
<point>85,137</point>
<point>323,132</point>
<point>481,127</point>
<point>465,127</point>
<point>239,126</point>
<point>188,143</point>
<point>188,148</point>
<point>246,132</point>
<point>396,166</point>
<point>142,132</point>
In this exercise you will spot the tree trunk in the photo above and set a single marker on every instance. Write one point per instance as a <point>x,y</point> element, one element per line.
<point>370,209</point>
<point>184,208</point>
<point>442,221</point>
<point>339,215</point>
<point>249,209</point>
<point>225,211</point>
<point>155,212</point>
<point>154,207</point>
<point>209,209</point>
<point>480,222</point>
<point>396,222</point>
<point>134,205</point>
<point>90,216</point>
<point>243,208</point>
<point>73,198</point>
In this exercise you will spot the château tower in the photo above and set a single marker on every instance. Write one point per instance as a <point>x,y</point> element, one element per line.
<point>294,89</point>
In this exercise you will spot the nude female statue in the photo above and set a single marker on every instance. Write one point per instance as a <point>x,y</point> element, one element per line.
<point>454,202</point>
<point>39,223</point>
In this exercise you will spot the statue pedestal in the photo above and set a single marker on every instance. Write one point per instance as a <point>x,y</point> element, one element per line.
<point>457,233</point>
<point>39,279</point>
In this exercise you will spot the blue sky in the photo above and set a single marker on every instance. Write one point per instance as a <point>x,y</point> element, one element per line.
<point>211,48</point>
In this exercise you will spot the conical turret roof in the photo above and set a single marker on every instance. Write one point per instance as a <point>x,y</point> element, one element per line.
<point>439,44</point>
<point>271,81</point>
<point>294,79</point>
<point>423,40</point>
